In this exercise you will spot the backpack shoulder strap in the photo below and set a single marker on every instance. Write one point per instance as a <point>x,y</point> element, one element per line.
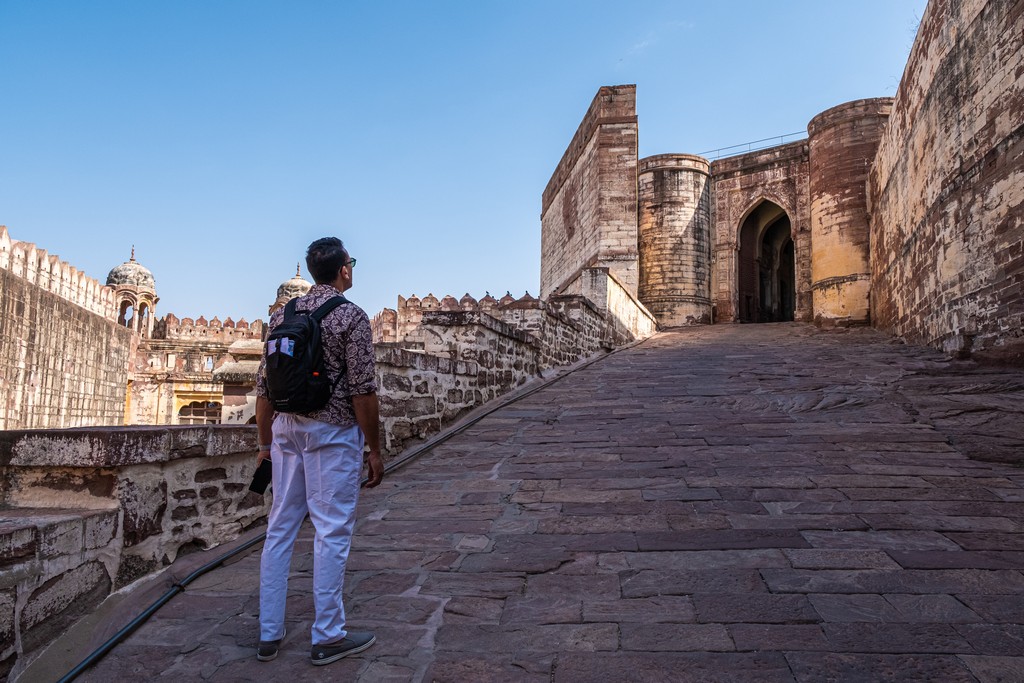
<point>289,308</point>
<point>327,307</point>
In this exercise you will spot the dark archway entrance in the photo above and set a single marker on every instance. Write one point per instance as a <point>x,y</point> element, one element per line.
<point>767,266</point>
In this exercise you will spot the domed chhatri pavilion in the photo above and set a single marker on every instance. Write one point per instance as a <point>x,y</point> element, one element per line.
<point>135,290</point>
<point>289,289</point>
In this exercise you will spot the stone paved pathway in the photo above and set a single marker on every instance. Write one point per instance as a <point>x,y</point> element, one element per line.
<point>734,503</point>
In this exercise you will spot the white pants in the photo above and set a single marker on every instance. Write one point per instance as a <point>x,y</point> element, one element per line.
<point>317,467</point>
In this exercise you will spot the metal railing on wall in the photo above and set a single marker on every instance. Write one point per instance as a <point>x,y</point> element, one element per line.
<point>752,146</point>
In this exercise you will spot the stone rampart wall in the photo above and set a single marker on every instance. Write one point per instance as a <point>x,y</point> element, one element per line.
<point>466,353</point>
<point>86,512</point>
<point>201,329</point>
<point>51,274</point>
<point>61,365</point>
<point>588,212</point>
<point>947,185</point>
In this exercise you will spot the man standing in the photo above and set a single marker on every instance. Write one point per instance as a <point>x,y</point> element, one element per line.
<point>317,461</point>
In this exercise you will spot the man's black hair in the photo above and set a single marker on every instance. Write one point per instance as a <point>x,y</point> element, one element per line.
<point>324,259</point>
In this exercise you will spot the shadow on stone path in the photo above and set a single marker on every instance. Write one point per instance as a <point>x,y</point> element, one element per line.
<point>770,503</point>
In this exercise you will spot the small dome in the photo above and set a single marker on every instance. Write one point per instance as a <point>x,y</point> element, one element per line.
<point>131,273</point>
<point>290,289</point>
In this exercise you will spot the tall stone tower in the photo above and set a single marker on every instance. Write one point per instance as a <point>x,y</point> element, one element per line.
<point>675,238</point>
<point>843,142</point>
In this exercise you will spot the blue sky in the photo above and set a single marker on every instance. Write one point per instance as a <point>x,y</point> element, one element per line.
<point>220,138</point>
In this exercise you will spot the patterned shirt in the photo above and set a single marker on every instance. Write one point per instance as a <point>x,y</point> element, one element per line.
<point>348,352</point>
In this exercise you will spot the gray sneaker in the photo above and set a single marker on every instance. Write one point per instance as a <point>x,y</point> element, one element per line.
<point>355,641</point>
<point>267,649</point>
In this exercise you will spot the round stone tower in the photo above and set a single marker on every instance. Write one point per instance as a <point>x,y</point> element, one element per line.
<point>675,239</point>
<point>135,293</point>
<point>843,141</point>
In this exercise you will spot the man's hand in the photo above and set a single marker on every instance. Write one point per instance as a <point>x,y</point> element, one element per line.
<point>376,467</point>
<point>263,455</point>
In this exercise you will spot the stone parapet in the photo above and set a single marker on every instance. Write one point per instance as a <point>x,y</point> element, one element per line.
<point>86,511</point>
<point>48,272</point>
<point>201,329</point>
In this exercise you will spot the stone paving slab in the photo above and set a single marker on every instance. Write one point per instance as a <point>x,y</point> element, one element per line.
<point>728,503</point>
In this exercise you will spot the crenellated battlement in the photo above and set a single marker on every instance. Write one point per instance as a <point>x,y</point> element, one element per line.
<point>50,273</point>
<point>214,330</point>
<point>402,324</point>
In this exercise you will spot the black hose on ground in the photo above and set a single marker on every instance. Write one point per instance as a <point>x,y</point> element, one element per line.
<point>149,611</point>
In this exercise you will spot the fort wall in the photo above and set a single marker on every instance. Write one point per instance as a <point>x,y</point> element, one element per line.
<point>51,274</point>
<point>947,186</point>
<point>588,209</point>
<point>61,364</point>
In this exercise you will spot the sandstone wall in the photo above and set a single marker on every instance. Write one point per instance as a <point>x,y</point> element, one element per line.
<point>843,141</point>
<point>588,210</point>
<point>452,356</point>
<point>625,318</point>
<point>61,364</point>
<point>741,183</point>
<point>675,238</point>
<point>202,330</point>
<point>50,273</point>
<point>89,511</point>
<point>947,185</point>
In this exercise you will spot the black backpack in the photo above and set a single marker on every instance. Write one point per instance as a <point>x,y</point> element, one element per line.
<point>297,378</point>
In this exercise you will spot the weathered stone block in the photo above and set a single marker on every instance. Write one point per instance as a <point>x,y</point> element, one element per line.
<point>211,474</point>
<point>396,384</point>
<point>61,537</point>
<point>184,512</point>
<point>402,430</point>
<point>208,492</point>
<point>133,567</point>
<point>143,504</point>
<point>7,600</point>
<point>100,529</point>
<point>17,544</point>
<point>416,407</point>
<point>61,601</point>
<point>218,507</point>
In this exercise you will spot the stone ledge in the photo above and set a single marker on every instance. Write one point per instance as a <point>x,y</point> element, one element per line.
<point>117,447</point>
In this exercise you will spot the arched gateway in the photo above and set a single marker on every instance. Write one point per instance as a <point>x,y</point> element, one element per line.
<point>766,267</point>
